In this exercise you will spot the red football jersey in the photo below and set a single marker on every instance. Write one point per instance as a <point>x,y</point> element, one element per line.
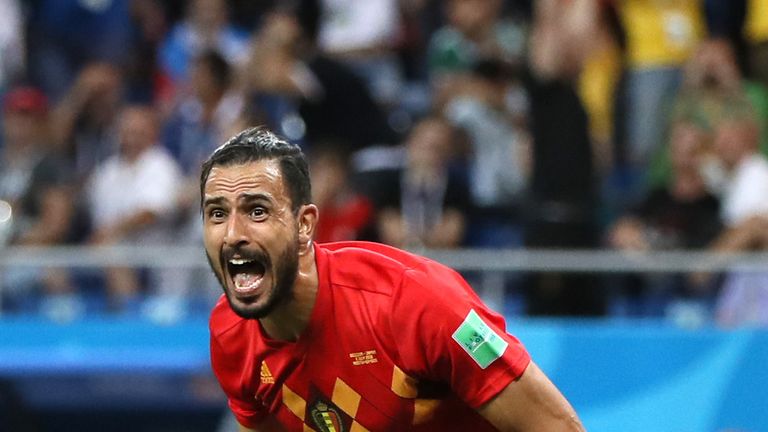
<point>395,342</point>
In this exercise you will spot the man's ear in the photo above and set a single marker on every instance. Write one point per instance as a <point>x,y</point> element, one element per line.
<point>307,222</point>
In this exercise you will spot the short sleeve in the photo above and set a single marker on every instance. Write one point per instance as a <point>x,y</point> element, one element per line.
<point>445,333</point>
<point>159,182</point>
<point>227,370</point>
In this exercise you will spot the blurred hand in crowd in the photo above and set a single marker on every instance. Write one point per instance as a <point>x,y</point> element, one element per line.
<point>274,55</point>
<point>713,66</point>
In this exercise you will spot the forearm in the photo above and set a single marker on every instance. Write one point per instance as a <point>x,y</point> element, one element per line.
<point>124,227</point>
<point>449,232</point>
<point>52,226</point>
<point>531,403</point>
<point>742,237</point>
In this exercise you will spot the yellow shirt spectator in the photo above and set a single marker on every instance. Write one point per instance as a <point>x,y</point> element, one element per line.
<point>661,32</point>
<point>756,26</point>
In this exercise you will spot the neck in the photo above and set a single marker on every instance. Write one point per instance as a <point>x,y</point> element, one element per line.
<point>211,99</point>
<point>289,321</point>
<point>688,186</point>
<point>210,102</point>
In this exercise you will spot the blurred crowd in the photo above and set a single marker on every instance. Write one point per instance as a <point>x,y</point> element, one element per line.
<point>631,124</point>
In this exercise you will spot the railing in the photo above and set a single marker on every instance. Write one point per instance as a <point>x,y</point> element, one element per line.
<point>483,260</point>
<point>490,264</point>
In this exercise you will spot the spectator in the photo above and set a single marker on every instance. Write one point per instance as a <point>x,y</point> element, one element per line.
<point>680,215</point>
<point>711,75</point>
<point>756,34</point>
<point>660,37</point>
<point>740,174</point>
<point>85,119</point>
<point>362,35</point>
<point>145,80</point>
<point>205,27</point>
<point>306,95</point>
<point>67,35</point>
<point>148,181</point>
<point>428,204</point>
<point>205,111</point>
<point>475,30</point>
<point>36,182</point>
<point>12,44</point>
<point>347,214</point>
<point>500,153</point>
<point>561,206</point>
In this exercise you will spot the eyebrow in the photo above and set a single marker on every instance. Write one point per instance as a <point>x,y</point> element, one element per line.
<point>246,197</point>
<point>250,197</point>
<point>213,201</point>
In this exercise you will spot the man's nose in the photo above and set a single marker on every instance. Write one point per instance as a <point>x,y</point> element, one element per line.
<point>236,234</point>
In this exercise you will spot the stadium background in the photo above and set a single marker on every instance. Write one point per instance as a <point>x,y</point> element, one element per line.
<point>540,128</point>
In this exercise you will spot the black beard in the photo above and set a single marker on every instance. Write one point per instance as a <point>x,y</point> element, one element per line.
<point>284,277</point>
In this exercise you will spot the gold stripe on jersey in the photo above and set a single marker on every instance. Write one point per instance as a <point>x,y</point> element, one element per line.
<point>403,385</point>
<point>295,403</point>
<point>345,397</point>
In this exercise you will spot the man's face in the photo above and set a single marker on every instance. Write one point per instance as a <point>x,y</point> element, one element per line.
<point>733,141</point>
<point>251,235</point>
<point>137,131</point>
<point>686,146</point>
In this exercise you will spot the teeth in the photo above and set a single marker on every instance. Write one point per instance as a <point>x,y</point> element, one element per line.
<point>239,261</point>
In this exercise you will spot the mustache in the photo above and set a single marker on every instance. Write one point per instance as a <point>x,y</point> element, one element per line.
<point>252,255</point>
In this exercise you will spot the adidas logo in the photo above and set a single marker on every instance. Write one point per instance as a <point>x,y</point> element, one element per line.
<point>266,375</point>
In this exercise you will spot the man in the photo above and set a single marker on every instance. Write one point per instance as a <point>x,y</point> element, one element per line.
<point>424,203</point>
<point>36,183</point>
<point>131,202</point>
<point>348,336</point>
<point>743,185</point>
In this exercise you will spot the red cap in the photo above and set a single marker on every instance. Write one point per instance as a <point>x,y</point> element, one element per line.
<point>26,100</point>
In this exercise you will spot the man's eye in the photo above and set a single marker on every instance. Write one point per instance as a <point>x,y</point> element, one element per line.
<point>216,214</point>
<point>258,212</point>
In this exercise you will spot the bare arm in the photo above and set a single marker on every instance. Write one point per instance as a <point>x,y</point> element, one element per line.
<point>56,212</point>
<point>123,227</point>
<point>627,234</point>
<point>747,235</point>
<point>449,232</point>
<point>532,403</point>
<point>561,36</point>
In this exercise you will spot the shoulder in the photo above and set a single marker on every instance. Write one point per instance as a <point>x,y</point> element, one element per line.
<point>369,266</point>
<point>157,155</point>
<point>759,165</point>
<point>751,175</point>
<point>374,268</point>
<point>157,160</point>
<point>107,170</point>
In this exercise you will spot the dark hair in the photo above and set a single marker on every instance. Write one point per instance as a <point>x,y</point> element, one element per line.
<point>217,66</point>
<point>495,70</point>
<point>307,14</point>
<point>259,143</point>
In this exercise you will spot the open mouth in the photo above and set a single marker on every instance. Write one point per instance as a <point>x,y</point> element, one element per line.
<point>246,274</point>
